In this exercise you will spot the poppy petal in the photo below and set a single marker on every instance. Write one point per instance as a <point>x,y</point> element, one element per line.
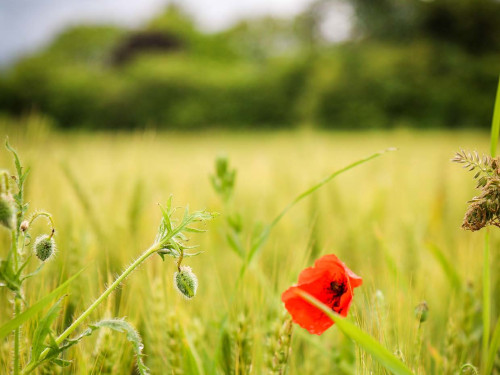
<point>331,282</point>
<point>331,262</point>
<point>311,274</point>
<point>303,313</point>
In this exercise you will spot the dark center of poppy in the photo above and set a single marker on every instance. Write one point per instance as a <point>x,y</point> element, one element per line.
<point>336,290</point>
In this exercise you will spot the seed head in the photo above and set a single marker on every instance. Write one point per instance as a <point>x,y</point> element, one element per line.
<point>185,282</point>
<point>44,247</point>
<point>7,211</point>
<point>476,217</point>
<point>484,209</point>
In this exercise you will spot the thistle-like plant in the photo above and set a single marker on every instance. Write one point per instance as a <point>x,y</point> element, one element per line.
<point>46,345</point>
<point>484,209</point>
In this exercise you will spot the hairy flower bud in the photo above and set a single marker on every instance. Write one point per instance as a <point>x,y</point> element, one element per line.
<point>44,247</point>
<point>24,226</point>
<point>185,282</point>
<point>7,211</point>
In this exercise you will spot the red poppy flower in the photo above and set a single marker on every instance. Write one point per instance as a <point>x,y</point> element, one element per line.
<point>331,282</point>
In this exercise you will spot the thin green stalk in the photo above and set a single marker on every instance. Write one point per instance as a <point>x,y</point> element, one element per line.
<point>495,124</point>
<point>486,301</point>
<point>17,336</point>
<point>495,129</point>
<point>493,350</point>
<point>16,307</point>
<point>153,249</point>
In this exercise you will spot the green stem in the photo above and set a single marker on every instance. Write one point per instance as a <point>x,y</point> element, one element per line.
<point>153,249</point>
<point>495,130</point>
<point>48,217</point>
<point>486,301</point>
<point>16,306</point>
<point>17,336</point>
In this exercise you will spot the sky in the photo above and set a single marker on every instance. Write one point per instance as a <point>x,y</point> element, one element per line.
<point>26,25</point>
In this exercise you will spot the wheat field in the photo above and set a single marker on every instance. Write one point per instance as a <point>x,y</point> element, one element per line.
<point>395,221</point>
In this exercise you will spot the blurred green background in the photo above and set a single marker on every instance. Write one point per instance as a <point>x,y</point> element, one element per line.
<point>408,63</point>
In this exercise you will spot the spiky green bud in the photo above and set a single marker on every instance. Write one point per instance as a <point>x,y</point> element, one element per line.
<point>7,211</point>
<point>422,311</point>
<point>185,282</point>
<point>44,247</point>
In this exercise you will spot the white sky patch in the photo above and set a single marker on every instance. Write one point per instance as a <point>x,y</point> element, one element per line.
<point>337,22</point>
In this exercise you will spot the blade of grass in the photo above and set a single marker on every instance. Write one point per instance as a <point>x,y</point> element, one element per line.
<point>495,125</point>
<point>449,270</point>
<point>364,340</point>
<point>493,350</point>
<point>267,230</point>
<point>495,129</point>
<point>11,325</point>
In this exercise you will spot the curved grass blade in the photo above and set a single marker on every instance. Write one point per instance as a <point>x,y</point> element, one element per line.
<point>43,330</point>
<point>267,230</point>
<point>495,124</point>
<point>11,325</point>
<point>133,337</point>
<point>365,341</point>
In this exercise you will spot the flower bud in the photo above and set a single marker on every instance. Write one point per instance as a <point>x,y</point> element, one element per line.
<point>422,311</point>
<point>24,226</point>
<point>7,211</point>
<point>185,282</point>
<point>44,247</point>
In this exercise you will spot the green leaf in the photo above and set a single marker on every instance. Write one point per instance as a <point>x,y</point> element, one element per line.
<point>60,362</point>
<point>133,336</point>
<point>194,230</point>
<point>11,325</point>
<point>495,124</point>
<point>364,340</point>
<point>35,272</point>
<point>187,255</point>
<point>118,325</point>
<point>19,168</point>
<point>166,215</point>
<point>8,277</point>
<point>55,349</point>
<point>234,242</point>
<point>23,266</point>
<point>43,330</point>
<point>191,356</point>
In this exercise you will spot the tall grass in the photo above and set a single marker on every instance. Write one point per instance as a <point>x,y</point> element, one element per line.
<point>380,218</point>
